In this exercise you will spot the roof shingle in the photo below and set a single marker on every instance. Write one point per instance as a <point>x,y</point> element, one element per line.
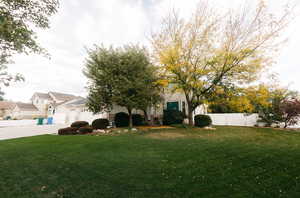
<point>26,106</point>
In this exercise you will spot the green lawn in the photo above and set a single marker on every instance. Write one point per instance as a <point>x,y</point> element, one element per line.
<point>228,162</point>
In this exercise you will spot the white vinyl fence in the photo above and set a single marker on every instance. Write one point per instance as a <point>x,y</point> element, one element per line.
<point>234,119</point>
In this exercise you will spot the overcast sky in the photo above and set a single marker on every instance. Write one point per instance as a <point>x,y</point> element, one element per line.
<point>80,24</point>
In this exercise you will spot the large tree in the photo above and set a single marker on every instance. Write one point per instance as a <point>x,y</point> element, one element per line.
<point>212,49</point>
<point>120,76</point>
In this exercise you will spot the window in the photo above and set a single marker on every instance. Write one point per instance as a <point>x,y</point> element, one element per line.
<point>173,106</point>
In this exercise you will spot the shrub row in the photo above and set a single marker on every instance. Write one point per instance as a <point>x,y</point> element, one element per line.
<point>174,117</point>
<point>122,119</point>
<point>83,127</point>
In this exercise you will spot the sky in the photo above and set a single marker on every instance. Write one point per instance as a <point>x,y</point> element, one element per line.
<point>81,24</point>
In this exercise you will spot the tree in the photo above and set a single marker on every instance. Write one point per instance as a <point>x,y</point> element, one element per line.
<point>198,54</point>
<point>267,99</point>
<point>290,112</point>
<point>120,76</point>
<point>18,18</point>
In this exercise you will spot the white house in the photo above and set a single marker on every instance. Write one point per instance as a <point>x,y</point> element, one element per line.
<point>41,105</point>
<point>75,109</point>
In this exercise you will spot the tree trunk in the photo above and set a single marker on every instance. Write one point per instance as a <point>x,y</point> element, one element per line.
<point>146,116</point>
<point>130,118</point>
<point>190,109</point>
<point>190,117</point>
<point>190,114</point>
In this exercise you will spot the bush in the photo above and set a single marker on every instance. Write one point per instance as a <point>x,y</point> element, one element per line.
<point>68,131</point>
<point>122,119</point>
<point>85,130</point>
<point>79,124</point>
<point>100,123</point>
<point>137,120</point>
<point>202,121</point>
<point>172,117</point>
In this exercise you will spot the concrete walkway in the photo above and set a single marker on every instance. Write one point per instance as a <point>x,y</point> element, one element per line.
<point>27,131</point>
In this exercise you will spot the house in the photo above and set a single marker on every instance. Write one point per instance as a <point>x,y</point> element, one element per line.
<point>74,110</point>
<point>47,102</point>
<point>41,105</point>
<point>25,111</point>
<point>6,108</point>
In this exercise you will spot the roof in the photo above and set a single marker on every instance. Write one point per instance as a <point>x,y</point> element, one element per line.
<point>7,105</point>
<point>26,106</point>
<point>63,96</point>
<point>80,101</point>
<point>43,95</point>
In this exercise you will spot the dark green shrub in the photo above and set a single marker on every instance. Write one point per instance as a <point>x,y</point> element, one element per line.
<point>137,120</point>
<point>100,123</point>
<point>172,117</point>
<point>122,119</point>
<point>202,121</point>
<point>68,131</point>
<point>85,130</point>
<point>79,124</point>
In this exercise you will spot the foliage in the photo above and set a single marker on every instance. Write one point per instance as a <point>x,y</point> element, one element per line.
<point>207,50</point>
<point>121,76</point>
<point>290,112</point>
<point>79,124</point>
<point>137,120</point>
<point>85,130</point>
<point>100,123</point>
<point>171,117</point>
<point>68,131</point>
<point>229,99</point>
<point>267,103</point>
<point>122,119</point>
<point>202,121</point>
<point>18,21</point>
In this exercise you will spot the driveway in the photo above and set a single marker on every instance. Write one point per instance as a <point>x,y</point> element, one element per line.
<point>27,131</point>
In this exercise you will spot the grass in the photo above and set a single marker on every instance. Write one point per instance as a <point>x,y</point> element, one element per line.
<point>228,162</point>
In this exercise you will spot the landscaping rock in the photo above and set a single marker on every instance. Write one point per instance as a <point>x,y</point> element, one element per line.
<point>209,128</point>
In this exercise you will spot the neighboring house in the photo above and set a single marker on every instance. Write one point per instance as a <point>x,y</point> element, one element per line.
<point>25,111</point>
<point>47,102</point>
<point>42,105</point>
<point>6,109</point>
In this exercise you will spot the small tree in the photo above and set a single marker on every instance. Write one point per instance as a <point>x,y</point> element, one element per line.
<point>120,76</point>
<point>290,112</point>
